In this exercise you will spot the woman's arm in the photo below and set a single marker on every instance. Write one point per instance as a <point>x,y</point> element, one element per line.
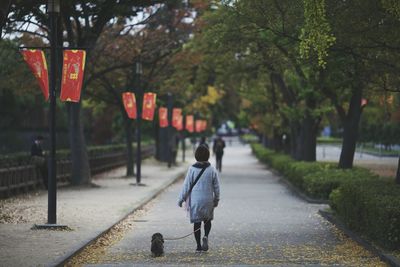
<point>185,188</point>
<point>216,188</point>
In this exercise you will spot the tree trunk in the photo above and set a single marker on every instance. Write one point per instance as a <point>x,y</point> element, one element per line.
<point>163,148</point>
<point>294,138</point>
<point>156,133</point>
<point>308,139</point>
<point>129,150</point>
<point>80,169</point>
<point>4,10</point>
<point>276,141</point>
<point>265,141</point>
<point>350,130</point>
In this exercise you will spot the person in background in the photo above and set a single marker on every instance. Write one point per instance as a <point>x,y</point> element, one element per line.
<point>39,159</point>
<point>203,141</point>
<point>173,149</point>
<point>218,149</point>
<point>193,141</point>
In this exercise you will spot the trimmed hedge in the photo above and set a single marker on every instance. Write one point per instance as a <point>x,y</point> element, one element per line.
<point>320,184</point>
<point>23,158</point>
<point>366,203</point>
<point>329,140</point>
<point>249,138</point>
<point>371,208</point>
<point>315,179</point>
<point>298,170</point>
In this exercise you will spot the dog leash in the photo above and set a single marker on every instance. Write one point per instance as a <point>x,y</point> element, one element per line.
<point>182,237</point>
<point>190,190</point>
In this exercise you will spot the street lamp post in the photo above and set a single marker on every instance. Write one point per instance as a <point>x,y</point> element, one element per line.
<point>139,90</point>
<point>169,129</point>
<point>53,7</point>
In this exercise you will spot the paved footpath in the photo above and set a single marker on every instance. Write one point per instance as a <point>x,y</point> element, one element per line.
<point>259,222</point>
<point>88,211</point>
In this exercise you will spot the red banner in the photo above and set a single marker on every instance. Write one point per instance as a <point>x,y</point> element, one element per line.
<point>203,125</point>
<point>176,114</point>
<point>163,117</point>
<point>72,75</point>
<point>179,123</point>
<point>37,64</point>
<point>149,105</point>
<point>130,104</point>
<point>190,123</point>
<point>198,126</point>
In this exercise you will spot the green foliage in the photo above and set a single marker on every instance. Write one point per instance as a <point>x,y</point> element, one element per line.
<point>316,34</point>
<point>371,208</point>
<point>298,170</point>
<point>277,161</point>
<point>366,203</point>
<point>21,100</point>
<point>321,183</point>
<point>22,158</point>
<point>392,6</point>
<point>376,128</point>
<point>316,179</point>
<point>249,138</point>
<point>329,140</point>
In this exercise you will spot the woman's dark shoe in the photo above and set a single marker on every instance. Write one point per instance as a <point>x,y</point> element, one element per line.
<point>205,244</point>
<point>199,249</point>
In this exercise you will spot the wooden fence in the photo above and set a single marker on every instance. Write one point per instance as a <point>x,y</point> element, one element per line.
<point>26,177</point>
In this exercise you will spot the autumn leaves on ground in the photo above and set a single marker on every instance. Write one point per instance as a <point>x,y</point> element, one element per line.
<point>259,222</point>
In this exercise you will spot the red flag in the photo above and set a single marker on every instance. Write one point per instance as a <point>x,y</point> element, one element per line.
<point>198,125</point>
<point>163,117</point>
<point>72,75</point>
<point>204,125</point>
<point>189,123</point>
<point>149,105</point>
<point>176,114</point>
<point>179,123</point>
<point>37,63</point>
<point>130,104</point>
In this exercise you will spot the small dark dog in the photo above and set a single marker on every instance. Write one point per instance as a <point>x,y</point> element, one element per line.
<point>157,245</point>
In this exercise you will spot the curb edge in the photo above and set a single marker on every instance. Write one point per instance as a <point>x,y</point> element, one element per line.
<point>155,193</point>
<point>391,260</point>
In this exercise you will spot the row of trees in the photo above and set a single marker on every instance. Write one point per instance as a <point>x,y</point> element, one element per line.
<point>295,63</point>
<point>284,67</point>
<point>116,36</point>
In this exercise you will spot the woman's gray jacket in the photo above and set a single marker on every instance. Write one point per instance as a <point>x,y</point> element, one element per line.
<point>205,193</point>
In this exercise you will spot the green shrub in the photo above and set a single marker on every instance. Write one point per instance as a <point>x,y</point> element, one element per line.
<point>315,179</point>
<point>329,140</point>
<point>281,162</point>
<point>263,154</point>
<point>249,138</point>
<point>23,158</point>
<point>366,203</point>
<point>321,183</point>
<point>371,208</point>
<point>277,161</point>
<point>297,170</point>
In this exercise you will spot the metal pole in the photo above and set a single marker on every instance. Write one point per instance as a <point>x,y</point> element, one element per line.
<point>169,131</point>
<point>139,122</point>
<point>53,9</point>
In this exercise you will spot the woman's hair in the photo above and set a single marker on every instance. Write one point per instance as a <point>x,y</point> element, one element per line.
<point>202,153</point>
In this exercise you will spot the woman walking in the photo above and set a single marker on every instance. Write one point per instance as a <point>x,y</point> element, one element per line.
<point>200,191</point>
